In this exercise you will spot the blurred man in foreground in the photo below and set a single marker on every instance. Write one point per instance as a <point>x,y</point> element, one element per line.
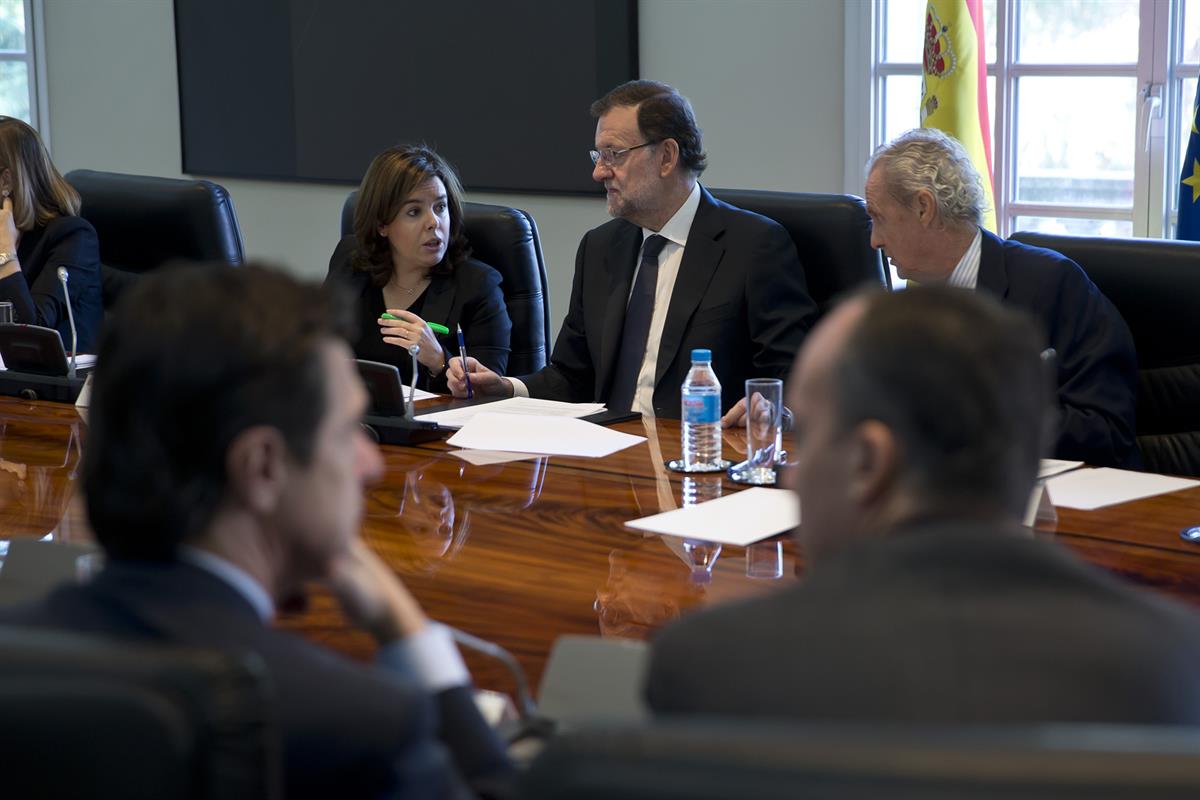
<point>926,600</point>
<point>224,470</point>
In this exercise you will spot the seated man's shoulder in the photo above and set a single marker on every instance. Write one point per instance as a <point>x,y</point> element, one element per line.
<point>1042,265</point>
<point>737,625</point>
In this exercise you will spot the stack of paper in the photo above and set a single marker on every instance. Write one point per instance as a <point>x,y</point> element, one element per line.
<point>521,433</point>
<point>1089,489</point>
<point>738,519</point>
<point>528,406</point>
<point>1048,467</point>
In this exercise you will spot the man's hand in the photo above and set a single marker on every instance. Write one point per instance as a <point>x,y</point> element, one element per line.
<point>484,382</point>
<point>372,596</point>
<point>735,416</point>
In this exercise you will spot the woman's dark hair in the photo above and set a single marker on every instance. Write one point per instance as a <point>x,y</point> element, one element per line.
<point>39,193</point>
<point>662,113</point>
<point>390,180</point>
<point>193,356</point>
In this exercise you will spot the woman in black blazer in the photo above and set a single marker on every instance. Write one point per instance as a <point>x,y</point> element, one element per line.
<point>408,256</point>
<point>40,231</point>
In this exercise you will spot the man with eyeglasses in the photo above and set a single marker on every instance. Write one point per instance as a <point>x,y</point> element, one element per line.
<point>676,270</point>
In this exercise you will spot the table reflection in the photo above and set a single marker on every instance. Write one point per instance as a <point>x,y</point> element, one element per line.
<point>38,469</point>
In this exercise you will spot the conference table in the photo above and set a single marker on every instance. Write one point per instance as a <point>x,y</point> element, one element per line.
<point>521,552</point>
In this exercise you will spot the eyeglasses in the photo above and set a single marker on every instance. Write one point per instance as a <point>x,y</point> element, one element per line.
<point>609,157</point>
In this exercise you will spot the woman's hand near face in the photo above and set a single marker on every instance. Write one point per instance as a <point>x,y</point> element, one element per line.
<point>409,329</point>
<point>8,233</point>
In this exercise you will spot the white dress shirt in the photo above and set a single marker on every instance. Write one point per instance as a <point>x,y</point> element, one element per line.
<point>429,656</point>
<point>676,233</point>
<point>966,272</point>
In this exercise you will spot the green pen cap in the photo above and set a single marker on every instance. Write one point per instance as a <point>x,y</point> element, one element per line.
<point>442,329</point>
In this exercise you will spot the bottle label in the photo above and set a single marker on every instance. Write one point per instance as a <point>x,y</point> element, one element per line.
<point>699,409</point>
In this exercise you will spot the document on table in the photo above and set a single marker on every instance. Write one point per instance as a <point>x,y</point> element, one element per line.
<point>552,436</point>
<point>1089,489</point>
<point>529,406</point>
<point>484,458</point>
<point>738,519</point>
<point>1049,467</point>
<point>420,394</point>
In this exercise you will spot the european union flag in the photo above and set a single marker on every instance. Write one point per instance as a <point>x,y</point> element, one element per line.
<point>1188,226</point>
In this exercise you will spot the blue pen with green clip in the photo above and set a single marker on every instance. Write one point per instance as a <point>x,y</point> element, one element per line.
<point>462,353</point>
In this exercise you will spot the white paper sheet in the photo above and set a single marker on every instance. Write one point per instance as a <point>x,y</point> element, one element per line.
<point>421,394</point>
<point>457,417</point>
<point>1048,467</point>
<point>561,436</point>
<point>482,458</point>
<point>1089,489</point>
<point>738,519</point>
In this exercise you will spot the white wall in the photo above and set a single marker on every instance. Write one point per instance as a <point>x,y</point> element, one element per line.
<point>765,77</point>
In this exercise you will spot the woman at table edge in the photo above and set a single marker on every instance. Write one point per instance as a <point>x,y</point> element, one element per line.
<point>40,231</point>
<point>409,256</point>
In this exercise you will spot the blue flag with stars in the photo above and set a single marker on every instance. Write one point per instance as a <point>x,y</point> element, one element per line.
<point>1188,226</point>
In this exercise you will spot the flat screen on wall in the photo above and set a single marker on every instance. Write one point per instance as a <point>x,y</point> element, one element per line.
<point>311,90</point>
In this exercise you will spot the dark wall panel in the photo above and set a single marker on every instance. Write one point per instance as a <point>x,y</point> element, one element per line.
<point>312,89</point>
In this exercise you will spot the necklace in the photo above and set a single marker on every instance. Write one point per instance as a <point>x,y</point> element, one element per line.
<point>408,290</point>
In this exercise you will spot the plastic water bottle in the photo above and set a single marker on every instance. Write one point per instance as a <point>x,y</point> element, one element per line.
<point>701,401</point>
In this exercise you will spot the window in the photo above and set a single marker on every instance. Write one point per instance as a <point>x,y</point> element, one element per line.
<point>19,87</point>
<point>1090,102</point>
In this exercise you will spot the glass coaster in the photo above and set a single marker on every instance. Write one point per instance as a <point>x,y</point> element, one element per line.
<point>676,465</point>
<point>738,473</point>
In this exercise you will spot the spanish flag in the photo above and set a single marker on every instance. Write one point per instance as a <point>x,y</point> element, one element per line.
<point>954,84</point>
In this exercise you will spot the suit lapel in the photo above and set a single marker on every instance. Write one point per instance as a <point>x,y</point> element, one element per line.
<point>701,258</point>
<point>439,299</point>
<point>992,275</point>
<point>619,264</point>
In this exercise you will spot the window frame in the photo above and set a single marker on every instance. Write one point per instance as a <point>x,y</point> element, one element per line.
<point>1159,72</point>
<point>34,58</point>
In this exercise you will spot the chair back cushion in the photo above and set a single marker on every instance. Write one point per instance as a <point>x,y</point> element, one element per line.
<point>832,233</point>
<point>1155,284</point>
<point>143,222</point>
<point>87,717</point>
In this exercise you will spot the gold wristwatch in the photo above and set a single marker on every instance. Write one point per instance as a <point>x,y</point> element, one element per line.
<point>7,257</point>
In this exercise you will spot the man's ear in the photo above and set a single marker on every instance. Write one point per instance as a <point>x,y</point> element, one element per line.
<point>256,466</point>
<point>926,207</point>
<point>668,159</point>
<point>874,463</point>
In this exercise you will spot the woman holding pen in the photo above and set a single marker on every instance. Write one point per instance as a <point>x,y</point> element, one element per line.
<point>408,264</point>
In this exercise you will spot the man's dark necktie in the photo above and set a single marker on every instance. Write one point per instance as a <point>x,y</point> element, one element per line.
<point>637,327</point>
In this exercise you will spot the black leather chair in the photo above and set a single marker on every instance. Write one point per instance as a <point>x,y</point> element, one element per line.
<point>507,240</point>
<point>731,760</point>
<point>83,717</point>
<point>832,234</point>
<point>1155,284</point>
<point>143,222</point>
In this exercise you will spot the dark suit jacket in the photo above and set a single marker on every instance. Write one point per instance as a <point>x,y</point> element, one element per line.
<point>470,297</point>
<point>741,292</point>
<point>36,294</point>
<point>942,622</point>
<point>349,730</point>
<point>1097,363</point>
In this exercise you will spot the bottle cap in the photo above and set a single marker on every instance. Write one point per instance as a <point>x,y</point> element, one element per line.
<point>701,354</point>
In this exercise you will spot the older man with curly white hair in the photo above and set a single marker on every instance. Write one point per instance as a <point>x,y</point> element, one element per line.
<point>926,205</point>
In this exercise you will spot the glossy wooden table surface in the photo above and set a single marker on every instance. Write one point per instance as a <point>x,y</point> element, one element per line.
<point>524,551</point>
